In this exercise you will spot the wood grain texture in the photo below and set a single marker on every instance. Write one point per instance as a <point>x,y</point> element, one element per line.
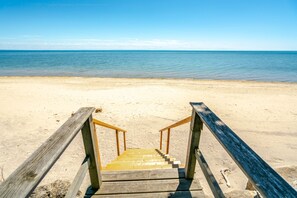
<point>100,123</point>
<point>118,142</point>
<point>168,141</point>
<point>91,149</point>
<point>181,122</point>
<point>27,176</point>
<point>161,141</point>
<point>172,173</point>
<point>211,180</point>
<point>78,179</point>
<point>125,143</point>
<point>262,176</point>
<point>193,143</point>
<point>146,186</point>
<point>175,194</point>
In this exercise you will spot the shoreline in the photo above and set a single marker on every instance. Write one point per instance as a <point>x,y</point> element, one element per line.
<point>149,78</point>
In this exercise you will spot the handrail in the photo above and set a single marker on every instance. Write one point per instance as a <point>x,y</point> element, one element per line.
<point>117,130</point>
<point>261,175</point>
<point>181,122</point>
<point>23,181</point>
<point>100,123</point>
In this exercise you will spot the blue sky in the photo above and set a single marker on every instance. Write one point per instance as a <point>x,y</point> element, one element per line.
<point>149,24</point>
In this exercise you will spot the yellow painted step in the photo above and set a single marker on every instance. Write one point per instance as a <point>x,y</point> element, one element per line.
<point>141,150</point>
<point>129,153</point>
<point>147,167</point>
<point>141,155</point>
<point>133,163</point>
<point>140,159</point>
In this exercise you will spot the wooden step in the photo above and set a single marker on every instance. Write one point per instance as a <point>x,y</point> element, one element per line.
<point>138,163</point>
<point>175,194</point>
<point>123,159</point>
<point>140,151</point>
<point>148,186</point>
<point>139,156</point>
<point>147,167</point>
<point>172,173</point>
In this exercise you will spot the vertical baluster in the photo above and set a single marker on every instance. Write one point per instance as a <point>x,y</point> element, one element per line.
<point>161,134</point>
<point>118,144</point>
<point>124,134</point>
<point>168,141</point>
<point>97,146</point>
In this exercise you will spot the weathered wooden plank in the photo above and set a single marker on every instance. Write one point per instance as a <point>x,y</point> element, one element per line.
<point>193,143</point>
<point>91,149</point>
<point>146,186</point>
<point>138,163</point>
<point>139,159</point>
<point>125,144</point>
<point>140,155</point>
<point>118,143</point>
<point>26,177</point>
<point>175,194</point>
<point>161,141</point>
<point>75,185</point>
<point>100,123</point>
<point>97,147</point>
<point>172,173</point>
<point>181,122</point>
<point>263,177</point>
<point>168,141</point>
<point>132,166</point>
<point>211,180</point>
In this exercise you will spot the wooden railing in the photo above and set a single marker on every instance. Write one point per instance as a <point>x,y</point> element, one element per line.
<point>181,122</point>
<point>23,181</point>
<point>117,130</point>
<point>267,182</point>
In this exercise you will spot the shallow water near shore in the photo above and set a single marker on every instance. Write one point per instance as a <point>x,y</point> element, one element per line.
<point>278,66</point>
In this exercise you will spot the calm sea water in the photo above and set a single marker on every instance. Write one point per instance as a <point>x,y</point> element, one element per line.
<point>237,65</point>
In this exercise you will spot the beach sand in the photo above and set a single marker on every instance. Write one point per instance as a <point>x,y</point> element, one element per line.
<point>263,114</point>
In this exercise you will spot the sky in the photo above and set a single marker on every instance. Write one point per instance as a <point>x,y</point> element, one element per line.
<point>149,24</point>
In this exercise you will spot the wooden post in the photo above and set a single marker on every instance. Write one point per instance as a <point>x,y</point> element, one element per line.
<point>193,143</point>
<point>161,134</point>
<point>97,146</point>
<point>124,134</point>
<point>91,149</point>
<point>118,144</point>
<point>168,141</point>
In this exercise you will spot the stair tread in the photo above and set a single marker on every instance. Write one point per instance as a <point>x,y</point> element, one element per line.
<point>140,160</point>
<point>176,194</point>
<point>121,168</point>
<point>172,173</point>
<point>145,186</point>
<point>133,163</point>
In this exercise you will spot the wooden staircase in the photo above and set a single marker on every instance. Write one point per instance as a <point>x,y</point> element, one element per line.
<point>146,173</point>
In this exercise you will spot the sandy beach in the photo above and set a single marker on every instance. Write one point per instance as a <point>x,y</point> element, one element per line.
<point>263,114</point>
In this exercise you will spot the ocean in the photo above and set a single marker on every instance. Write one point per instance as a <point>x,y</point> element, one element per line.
<point>278,66</point>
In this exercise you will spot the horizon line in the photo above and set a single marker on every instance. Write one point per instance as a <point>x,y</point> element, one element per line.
<point>279,50</point>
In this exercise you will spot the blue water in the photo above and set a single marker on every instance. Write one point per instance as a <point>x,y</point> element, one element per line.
<point>234,65</point>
